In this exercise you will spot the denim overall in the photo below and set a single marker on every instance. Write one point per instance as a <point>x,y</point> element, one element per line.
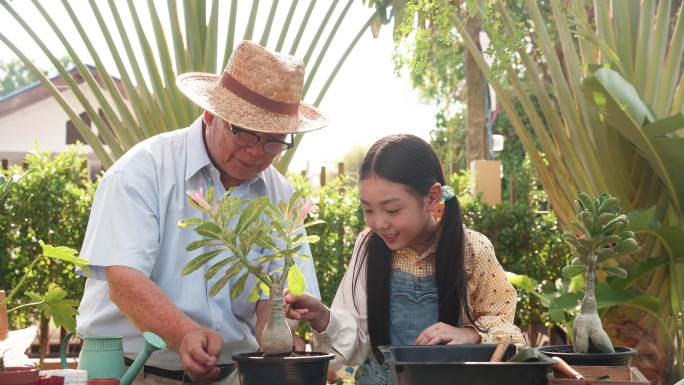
<point>413,307</point>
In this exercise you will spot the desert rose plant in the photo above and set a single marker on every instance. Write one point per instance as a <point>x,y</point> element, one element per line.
<point>599,241</point>
<point>234,227</point>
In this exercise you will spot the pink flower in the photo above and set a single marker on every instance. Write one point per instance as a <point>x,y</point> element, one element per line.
<point>306,206</point>
<point>198,197</point>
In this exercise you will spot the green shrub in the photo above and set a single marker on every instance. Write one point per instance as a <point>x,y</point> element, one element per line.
<point>526,241</point>
<point>338,205</point>
<point>51,205</point>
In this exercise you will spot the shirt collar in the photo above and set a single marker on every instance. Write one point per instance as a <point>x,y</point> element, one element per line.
<point>197,157</point>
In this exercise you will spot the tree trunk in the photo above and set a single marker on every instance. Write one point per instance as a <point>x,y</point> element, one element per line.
<point>44,339</point>
<point>4,319</point>
<point>476,129</point>
<point>588,330</point>
<point>276,340</point>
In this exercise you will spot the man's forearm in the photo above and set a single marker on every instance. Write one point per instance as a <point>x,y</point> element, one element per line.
<point>143,302</point>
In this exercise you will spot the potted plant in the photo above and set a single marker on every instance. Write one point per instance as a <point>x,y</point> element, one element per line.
<point>17,375</point>
<point>279,229</point>
<point>600,239</point>
<point>53,303</point>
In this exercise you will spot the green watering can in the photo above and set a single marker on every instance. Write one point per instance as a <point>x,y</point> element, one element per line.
<point>103,357</point>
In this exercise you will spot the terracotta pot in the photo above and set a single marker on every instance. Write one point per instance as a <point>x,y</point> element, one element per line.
<point>19,375</point>
<point>103,381</point>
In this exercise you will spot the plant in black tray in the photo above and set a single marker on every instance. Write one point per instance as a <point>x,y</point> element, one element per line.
<point>276,228</point>
<point>599,240</point>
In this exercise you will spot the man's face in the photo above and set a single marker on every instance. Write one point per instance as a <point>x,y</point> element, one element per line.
<point>237,163</point>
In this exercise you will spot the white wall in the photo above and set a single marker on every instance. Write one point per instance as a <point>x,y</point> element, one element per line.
<point>44,122</point>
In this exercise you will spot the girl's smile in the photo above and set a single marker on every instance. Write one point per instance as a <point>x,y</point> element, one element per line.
<point>395,213</point>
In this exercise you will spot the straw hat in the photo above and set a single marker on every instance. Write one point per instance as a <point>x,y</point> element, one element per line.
<point>259,90</point>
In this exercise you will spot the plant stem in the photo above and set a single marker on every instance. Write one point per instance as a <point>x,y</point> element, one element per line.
<point>276,338</point>
<point>25,305</point>
<point>589,300</point>
<point>21,282</point>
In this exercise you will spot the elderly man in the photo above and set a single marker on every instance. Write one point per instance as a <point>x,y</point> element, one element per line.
<point>136,250</point>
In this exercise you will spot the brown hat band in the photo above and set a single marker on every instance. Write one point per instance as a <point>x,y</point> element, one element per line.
<point>256,99</point>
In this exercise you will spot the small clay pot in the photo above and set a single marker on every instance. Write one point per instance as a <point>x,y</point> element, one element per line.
<point>103,381</point>
<point>19,375</point>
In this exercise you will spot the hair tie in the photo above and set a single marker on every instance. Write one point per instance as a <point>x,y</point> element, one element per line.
<point>447,193</point>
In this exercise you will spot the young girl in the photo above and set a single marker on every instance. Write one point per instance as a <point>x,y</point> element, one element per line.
<point>412,279</point>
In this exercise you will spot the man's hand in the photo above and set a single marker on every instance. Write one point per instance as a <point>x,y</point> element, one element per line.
<point>442,333</point>
<point>199,351</point>
<point>309,308</point>
<point>149,308</point>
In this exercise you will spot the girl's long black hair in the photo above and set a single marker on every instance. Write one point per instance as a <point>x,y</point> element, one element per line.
<point>409,160</point>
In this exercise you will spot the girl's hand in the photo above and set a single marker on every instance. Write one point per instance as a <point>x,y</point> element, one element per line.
<point>441,334</point>
<point>308,308</point>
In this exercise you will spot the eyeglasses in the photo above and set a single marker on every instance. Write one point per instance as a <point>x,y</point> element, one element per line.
<point>244,138</point>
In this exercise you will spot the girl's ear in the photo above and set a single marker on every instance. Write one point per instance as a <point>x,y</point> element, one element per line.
<point>434,197</point>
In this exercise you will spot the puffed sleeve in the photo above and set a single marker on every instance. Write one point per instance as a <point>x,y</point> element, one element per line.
<point>492,298</point>
<point>347,333</point>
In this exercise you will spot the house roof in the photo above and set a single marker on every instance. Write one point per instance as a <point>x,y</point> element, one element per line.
<point>35,92</point>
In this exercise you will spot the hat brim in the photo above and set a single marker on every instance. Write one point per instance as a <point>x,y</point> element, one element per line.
<point>205,90</point>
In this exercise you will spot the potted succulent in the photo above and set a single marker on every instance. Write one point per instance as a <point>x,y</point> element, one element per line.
<point>279,229</point>
<point>600,239</point>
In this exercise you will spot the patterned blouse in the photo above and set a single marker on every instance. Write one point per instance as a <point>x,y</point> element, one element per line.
<point>491,298</point>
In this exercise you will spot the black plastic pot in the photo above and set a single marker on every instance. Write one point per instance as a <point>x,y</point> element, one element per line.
<point>621,357</point>
<point>461,365</point>
<point>306,368</point>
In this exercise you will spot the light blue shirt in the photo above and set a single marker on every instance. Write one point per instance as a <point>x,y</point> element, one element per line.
<point>133,222</point>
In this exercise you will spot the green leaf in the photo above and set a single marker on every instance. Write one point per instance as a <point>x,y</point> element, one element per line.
<point>216,288</point>
<point>209,230</point>
<point>34,296</point>
<point>215,268</point>
<point>199,261</point>
<point>307,239</point>
<point>191,221</point>
<point>673,239</point>
<point>564,302</point>
<point>637,272</point>
<point>254,294</point>
<point>209,196</point>
<point>607,296</point>
<point>295,280</point>
<point>642,220</point>
<point>66,254</point>
<point>197,244</point>
<point>251,214</point>
<point>62,310</point>
<point>265,289</point>
<point>626,246</point>
<point>239,286</point>
<point>665,126</point>
<point>522,281</point>
<point>573,270</point>
<point>266,241</point>
<point>314,222</point>
<point>615,271</point>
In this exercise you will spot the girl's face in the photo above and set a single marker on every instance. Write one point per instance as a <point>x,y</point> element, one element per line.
<point>400,217</point>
